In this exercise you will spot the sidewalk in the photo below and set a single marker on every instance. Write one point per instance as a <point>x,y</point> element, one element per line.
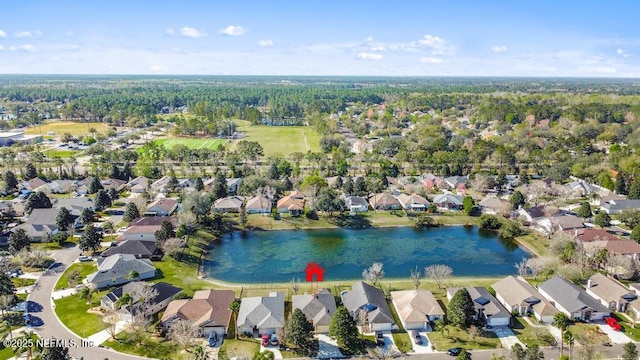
<point>102,336</point>
<point>59,294</point>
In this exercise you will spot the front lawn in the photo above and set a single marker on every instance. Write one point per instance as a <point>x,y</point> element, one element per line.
<point>241,348</point>
<point>20,282</point>
<point>402,341</point>
<point>83,269</point>
<point>531,335</point>
<point>631,331</point>
<point>72,311</point>
<point>588,333</point>
<point>453,336</point>
<point>152,347</point>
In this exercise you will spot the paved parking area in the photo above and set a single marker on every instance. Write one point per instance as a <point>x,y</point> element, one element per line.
<point>388,341</point>
<point>328,348</point>
<point>617,337</point>
<point>425,348</point>
<point>506,336</point>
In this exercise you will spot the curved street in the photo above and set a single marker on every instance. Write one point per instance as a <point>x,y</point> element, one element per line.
<point>51,327</point>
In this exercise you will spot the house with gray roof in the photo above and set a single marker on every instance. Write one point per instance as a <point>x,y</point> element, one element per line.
<point>518,296</point>
<point>74,205</point>
<point>228,204</point>
<point>261,314</point>
<point>318,308</point>
<point>613,207</point>
<point>117,269</point>
<point>413,202</point>
<point>161,207</point>
<point>572,300</point>
<point>366,300</point>
<point>610,292</point>
<point>448,201</point>
<point>138,185</point>
<point>233,184</point>
<point>41,224</point>
<point>164,294</point>
<point>61,186</point>
<point>138,248</point>
<point>453,181</point>
<point>488,308</point>
<point>356,203</point>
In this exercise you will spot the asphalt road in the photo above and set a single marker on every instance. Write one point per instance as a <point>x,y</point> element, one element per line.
<point>48,326</point>
<point>612,352</point>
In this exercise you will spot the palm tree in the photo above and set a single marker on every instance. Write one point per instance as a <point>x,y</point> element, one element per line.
<point>561,321</point>
<point>87,293</point>
<point>5,330</point>
<point>125,299</point>
<point>235,308</point>
<point>200,353</point>
<point>5,303</point>
<point>134,275</point>
<point>28,342</point>
<point>570,340</point>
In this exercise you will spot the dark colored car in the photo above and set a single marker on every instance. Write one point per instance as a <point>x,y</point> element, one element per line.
<point>274,340</point>
<point>213,338</point>
<point>379,339</point>
<point>454,351</point>
<point>265,339</point>
<point>416,337</point>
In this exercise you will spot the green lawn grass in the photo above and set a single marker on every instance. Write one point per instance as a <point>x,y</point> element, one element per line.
<point>61,127</point>
<point>281,140</point>
<point>6,353</point>
<point>20,282</point>
<point>529,335</point>
<point>241,348</point>
<point>72,311</point>
<point>192,143</point>
<point>62,153</point>
<point>83,268</point>
<point>456,337</point>
<point>402,341</point>
<point>587,333</point>
<point>631,331</point>
<point>157,348</point>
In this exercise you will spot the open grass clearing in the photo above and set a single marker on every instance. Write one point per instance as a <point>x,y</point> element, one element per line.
<point>72,311</point>
<point>530,335</point>
<point>83,269</point>
<point>151,347</point>
<point>74,128</point>
<point>241,348</point>
<point>453,336</point>
<point>192,143</point>
<point>281,140</point>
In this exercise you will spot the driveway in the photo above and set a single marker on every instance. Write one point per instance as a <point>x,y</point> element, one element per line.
<point>51,327</point>
<point>328,348</point>
<point>425,348</point>
<point>276,352</point>
<point>388,341</point>
<point>506,336</point>
<point>617,337</point>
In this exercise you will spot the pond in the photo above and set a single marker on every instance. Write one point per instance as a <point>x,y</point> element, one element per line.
<point>279,256</point>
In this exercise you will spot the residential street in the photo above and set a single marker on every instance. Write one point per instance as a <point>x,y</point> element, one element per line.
<point>51,327</point>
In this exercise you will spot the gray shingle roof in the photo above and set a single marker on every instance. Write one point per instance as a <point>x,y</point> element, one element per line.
<point>133,247</point>
<point>318,308</point>
<point>570,296</point>
<point>485,301</point>
<point>369,298</point>
<point>119,265</point>
<point>262,311</point>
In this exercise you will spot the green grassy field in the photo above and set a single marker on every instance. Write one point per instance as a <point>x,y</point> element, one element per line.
<point>72,311</point>
<point>61,127</point>
<point>192,143</point>
<point>83,268</point>
<point>281,140</point>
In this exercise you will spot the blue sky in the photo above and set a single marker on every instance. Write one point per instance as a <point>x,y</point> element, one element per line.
<point>405,38</point>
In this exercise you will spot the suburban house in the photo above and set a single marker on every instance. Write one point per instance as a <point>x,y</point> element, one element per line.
<point>233,184</point>
<point>629,248</point>
<point>160,185</point>
<point>572,300</point>
<point>117,184</point>
<point>258,205</point>
<point>164,294</point>
<point>292,204</point>
<point>74,205</point>
<point>318,308</point>
<point>416,308</point>
<point>228,204</point>
<point>605,197</point>
<point>613,207</point>
<point>145,228</point>
<point>31,185</point>
<point>60,186</point>
<point>610,292</point>
<point>117,269</point>
<point>488,308</point>
<point>356,204</point>
<point>561,223</point>
<point>138,185</point>
<point>261,314</point>
<point>138,248</point>
<point>536,213</point>
<point>161,207</point>
<point>492,204</point>
<point>208,309</point>
<point>518,296</point>
<point>580,188</point>
<point>591,234</point>
<point>41,224</point>
<point>453,182</point>
<point>384,201</point>
<point>413,202</point>
<point>368,301</point>
<point>448,201</point>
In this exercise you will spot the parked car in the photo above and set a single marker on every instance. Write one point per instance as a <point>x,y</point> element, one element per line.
<point>416,337</point>
<point>84,258</point>
<point>379,338</point>
<point>454,351</point>
<point>213,338</point>
<point>265,339</point>
<point>274,340</point>
<point>613,323</point>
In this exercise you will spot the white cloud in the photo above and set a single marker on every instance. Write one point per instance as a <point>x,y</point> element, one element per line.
<point>368,39</point>
<point>437,45</point>
<point>25,47</point>
<point>192,32</point>
<point>379,48</point>
<point>265,43</point>
<point>369,56</point>
<point>28,34</point>
<point>2,34</point>
<point>1,48</point>
<point>169,31</point>
<point>622,53</point>
<point>233,30</point>
<point>499,49</point>
<point>157,68</point>
<point>431,60</point>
